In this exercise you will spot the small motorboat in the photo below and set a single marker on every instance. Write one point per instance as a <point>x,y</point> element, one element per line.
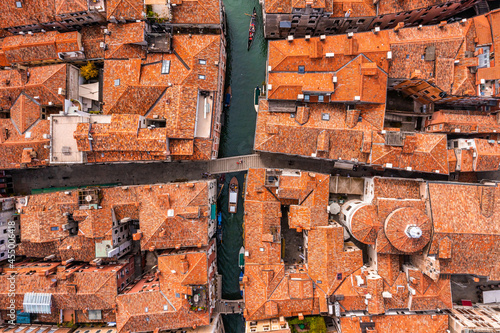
<point>233,195</point>
<point>241,258</point>
<point>227,98</point>
<point>256,95</point>
<point>241,283</point>
<point>251,30</point>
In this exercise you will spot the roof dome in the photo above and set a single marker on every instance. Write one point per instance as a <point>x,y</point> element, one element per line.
<point>408,229</point>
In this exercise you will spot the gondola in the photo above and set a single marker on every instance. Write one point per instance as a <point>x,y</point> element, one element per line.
<point>251,30</point>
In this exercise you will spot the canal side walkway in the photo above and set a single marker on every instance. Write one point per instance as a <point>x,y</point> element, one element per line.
<point>25,180</point>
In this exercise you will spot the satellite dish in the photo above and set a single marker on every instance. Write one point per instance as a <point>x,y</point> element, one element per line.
<point>88,198</point>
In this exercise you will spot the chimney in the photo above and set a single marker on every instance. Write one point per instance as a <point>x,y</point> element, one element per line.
<point>352,117</point>
<point>399,26</point>
<point>184,265</point>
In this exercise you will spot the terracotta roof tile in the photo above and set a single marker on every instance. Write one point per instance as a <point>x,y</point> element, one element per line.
<point>130,10</point>
<point>271,288</point>
<point>197,12</point>
<point>92,37</point>
<point>31,12</point>
<point>70,6</point>
<point>40,46</point>
<point>25,112</point>
<point>162,302</point>
<point>436,323</point>
<point>77,287</point>
<point>169,215</point>
<point>126,41</point>
<point>472,244</point>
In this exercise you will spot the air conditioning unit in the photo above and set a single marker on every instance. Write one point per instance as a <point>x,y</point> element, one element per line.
<point>155,116</point>
<point>30,32</point>
<point>50,103</point>
<point>216,62</point>
<point>290,38</point>
<point>329,55</point>
<point>350,34</point>
<point>46,146</point>
<point>106,32</point>
<point>103,45</point>
<point>307,37</point>
<point>61,91</point>
<point>46,136</point>
<point>376,30</point>
<point>36,97</point>
<point>322,37</point>
<point>334,79</point>
<point>389,55</point>
<point>357,98</point>
<point>269,87</point>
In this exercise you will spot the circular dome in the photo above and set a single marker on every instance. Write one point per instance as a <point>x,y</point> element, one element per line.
<point>364,224</point>
<point>408,229</point>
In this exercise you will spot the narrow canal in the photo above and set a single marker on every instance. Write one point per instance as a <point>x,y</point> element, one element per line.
<point>245,71</point>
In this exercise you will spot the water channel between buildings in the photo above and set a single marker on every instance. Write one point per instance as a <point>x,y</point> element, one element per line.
<point>245,71</point>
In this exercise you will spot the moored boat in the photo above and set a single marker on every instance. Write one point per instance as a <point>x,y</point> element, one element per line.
<point>241,258</point>
<point>227,98</point>
<point>251,30</point>
<point>256,94</point>
<point>233,195</point>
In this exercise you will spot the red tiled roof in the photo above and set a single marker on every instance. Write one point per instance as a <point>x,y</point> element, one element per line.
<point>453,121</point>
<point>196,12</point>
<point>40,46</point>
<point>473,245</point>
<point>169,215</point>
<point>92,37</point>
<point>271,288</point>
<point>165,306</point>
<point>31,12</point>
<point>72,287</point>
<point>126,41</point>
<point>125,9</point>
<point>435,323</point>
<point>427,153</point>
<point>24,112</point>
<point>71,6</point>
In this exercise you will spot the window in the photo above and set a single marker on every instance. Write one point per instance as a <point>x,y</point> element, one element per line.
<point>306,98</point>
<point>117,82</point>
<point>2,241</point>
<point>165,67</point>
<point>203,62</point>
<point>321,98</point>
<point>302,69</point>
<point>201,77</point>
<point>54,228</point>
<point>19,4</point>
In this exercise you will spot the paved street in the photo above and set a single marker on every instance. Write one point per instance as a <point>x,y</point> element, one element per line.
<point>150,173</point>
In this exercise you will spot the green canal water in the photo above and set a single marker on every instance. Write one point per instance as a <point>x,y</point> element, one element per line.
<point>245,71</point>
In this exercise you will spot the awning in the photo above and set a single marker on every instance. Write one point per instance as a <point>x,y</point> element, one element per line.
<point>37,303</point>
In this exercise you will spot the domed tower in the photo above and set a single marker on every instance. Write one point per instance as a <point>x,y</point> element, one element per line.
<point>408,229</point>
<point>361,219</point>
